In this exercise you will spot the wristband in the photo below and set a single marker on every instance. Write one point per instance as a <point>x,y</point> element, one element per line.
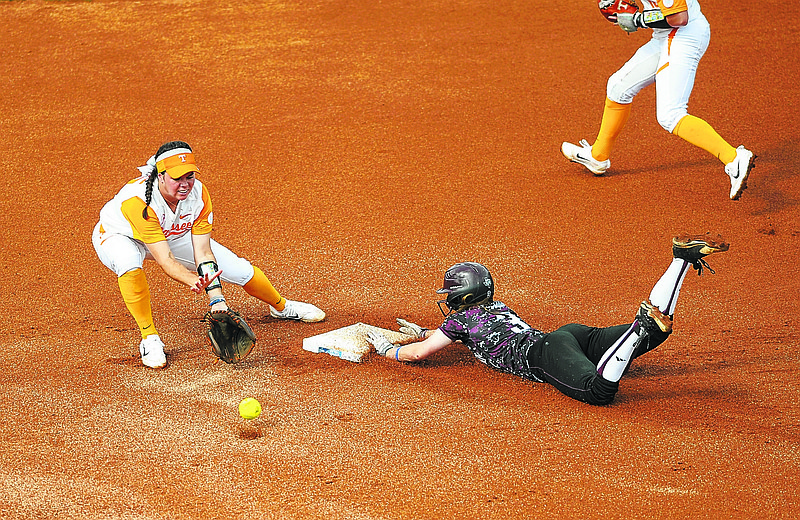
<point>654,19</point>
<point>397,353</point>
<point>210,268</point>
<point>216,300</point>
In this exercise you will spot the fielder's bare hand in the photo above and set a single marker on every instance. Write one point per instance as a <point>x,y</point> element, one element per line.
<point>204,281</point>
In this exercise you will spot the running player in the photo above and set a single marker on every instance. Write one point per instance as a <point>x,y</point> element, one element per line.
<point>172,225</point>
<point>669,59</point>
<point>585,363</point>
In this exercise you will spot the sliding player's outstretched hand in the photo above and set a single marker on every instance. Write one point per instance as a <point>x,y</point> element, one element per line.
<point>379,341</point>
<point>412,329</point>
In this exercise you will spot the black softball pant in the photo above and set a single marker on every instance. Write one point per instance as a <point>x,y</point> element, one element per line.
<point>567,359</point>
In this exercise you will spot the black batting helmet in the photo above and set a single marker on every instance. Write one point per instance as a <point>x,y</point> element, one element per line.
<point>467,283</point>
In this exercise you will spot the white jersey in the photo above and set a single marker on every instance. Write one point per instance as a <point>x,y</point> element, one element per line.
<point>122,215</point>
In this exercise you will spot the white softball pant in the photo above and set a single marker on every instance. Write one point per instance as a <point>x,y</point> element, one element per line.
<point>122,254</point>
<point>670,63</point>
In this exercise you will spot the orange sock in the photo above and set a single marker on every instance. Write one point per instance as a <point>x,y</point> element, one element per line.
<point>696,131</point>
<point>260,287</point>
<point>136,294</point>
<point>615,115</point>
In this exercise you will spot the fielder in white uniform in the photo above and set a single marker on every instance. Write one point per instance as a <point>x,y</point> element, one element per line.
<point>669,59</point>
<point>172,224</point>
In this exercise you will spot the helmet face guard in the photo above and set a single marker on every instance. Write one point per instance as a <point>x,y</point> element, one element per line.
<point>466,284</point>
<point>441,309</point>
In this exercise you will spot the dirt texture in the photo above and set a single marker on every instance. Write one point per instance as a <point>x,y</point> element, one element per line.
<point>354,150</point>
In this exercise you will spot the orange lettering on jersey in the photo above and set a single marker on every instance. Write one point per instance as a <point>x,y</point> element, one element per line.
<point>177,229</point>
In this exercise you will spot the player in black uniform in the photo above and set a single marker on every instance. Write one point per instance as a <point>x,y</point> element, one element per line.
<point>585,363</point>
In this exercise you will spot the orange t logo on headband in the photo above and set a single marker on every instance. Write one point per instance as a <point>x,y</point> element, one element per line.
<point>177,165</point>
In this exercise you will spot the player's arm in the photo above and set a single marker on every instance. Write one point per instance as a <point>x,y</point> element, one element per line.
<point>434,341</point>
<point>201,244</point>
<point>653,19</point>
<point>678,19</point>
<point>418,350</point>
<point>146,228</point>
<point>166,260</point>
<point>208,270</point>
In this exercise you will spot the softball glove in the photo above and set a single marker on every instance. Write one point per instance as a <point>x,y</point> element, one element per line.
<point>231,337</point>
<point>611,8</point>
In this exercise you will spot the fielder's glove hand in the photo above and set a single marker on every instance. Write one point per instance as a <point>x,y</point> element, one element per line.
<point>412,329</point>
<point>231,337</point>
<point>379,341</point>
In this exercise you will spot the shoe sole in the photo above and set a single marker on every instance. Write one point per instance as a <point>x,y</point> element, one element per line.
<point>304,320</point>
<point>743,185</point>
<point>706,244</point>
<point>579,160</point>
<point>663,321</point>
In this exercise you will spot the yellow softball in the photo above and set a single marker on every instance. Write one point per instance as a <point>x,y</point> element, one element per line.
<point>249,408</point>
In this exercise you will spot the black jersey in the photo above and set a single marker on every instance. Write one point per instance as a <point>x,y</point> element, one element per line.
<point>496,335</point>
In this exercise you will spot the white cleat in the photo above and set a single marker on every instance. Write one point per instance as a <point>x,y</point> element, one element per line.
<point>739,170</point>
<point>152,350</point>
<point>304,312</point>
<point>582,153</point>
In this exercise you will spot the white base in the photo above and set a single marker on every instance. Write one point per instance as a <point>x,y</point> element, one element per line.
<point>349,343</point>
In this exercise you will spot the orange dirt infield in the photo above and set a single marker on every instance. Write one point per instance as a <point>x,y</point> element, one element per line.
<point>354,150</point>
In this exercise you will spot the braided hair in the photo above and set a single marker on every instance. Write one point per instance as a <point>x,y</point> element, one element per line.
<point>172,145</point>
